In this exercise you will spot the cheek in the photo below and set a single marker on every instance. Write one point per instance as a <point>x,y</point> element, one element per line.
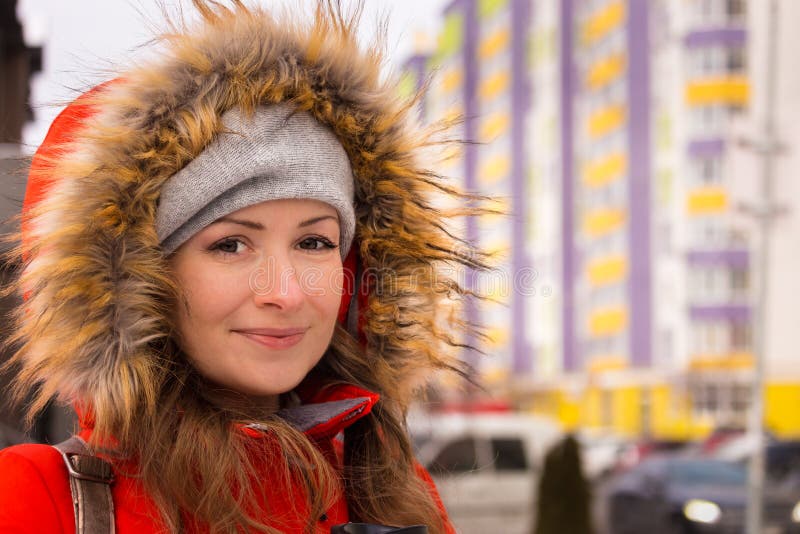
<point>208,298</point>
<point>323,286</point>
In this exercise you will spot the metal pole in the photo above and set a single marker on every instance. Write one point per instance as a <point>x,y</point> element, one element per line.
<point>767,149</point>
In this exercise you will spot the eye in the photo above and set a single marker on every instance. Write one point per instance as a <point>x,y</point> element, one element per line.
<point>317,243</point>
<point>229,245</point>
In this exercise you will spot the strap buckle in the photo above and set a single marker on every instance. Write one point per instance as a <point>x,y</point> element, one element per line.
<point>74,473</point>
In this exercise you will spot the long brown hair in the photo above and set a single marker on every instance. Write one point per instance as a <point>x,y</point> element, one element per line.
<point>191,462</point>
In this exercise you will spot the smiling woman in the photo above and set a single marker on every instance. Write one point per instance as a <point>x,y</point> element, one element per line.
<point>261,289</point>
<point>231,270</point>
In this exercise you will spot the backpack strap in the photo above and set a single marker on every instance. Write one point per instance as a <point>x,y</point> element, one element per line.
<point>90,481</point>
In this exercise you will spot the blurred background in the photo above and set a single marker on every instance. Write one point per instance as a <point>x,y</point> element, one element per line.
<point>640,351</point>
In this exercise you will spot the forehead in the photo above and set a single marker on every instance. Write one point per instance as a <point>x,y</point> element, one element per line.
<point>285,209</point>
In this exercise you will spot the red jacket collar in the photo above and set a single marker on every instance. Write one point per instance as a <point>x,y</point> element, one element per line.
<point>329,410</point>
<point>325,411</point>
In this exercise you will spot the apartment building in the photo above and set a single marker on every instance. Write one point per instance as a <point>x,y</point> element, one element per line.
<point>612,130</point>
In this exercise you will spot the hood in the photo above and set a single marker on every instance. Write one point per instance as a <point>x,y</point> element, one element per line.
<point>94,276</point>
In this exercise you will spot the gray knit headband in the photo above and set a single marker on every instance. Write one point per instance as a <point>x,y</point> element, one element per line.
<point>278,153</point>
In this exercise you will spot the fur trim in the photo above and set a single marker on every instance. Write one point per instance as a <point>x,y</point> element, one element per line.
<point>97,284</point>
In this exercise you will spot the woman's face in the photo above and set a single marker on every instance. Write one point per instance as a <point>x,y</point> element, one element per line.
<point>262,288</point>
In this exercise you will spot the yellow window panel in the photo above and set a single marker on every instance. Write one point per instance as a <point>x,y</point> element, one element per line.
<point>605,170</point>
<point>608,321</point>
<point>495,42</point>
<point>604,21</point>
<point>607,270</point>
<point>451,80</point>
<point>727,90</point>
<point>494,126</point>
<point>606,120</point>
<point>494,169</point>
<point>497,336</point>
<point>733,361</point>
<point>487,8</point>
<point>707,200</point>
<point>451,37</point>
<point>605,71</point>
<point>603,364</point>
<point>605,221</point>
<point>494,85</point>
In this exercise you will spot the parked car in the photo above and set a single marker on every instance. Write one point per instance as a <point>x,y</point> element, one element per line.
<point>486,466</point>
<point>601,453</point>
<point>634,453</point>
<point>693,495</point>
<point>781,458</point>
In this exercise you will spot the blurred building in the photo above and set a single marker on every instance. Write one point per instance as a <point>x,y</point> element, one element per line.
<point>610,129</point>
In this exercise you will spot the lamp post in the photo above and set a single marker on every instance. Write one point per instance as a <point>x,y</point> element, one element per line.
<point>765,211</point>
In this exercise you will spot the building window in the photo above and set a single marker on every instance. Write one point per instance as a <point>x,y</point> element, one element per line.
<point>709,170</point>
<point>740,282</point>
<point>707,121</point>
<point>741,398</point>
<point>720,397</point>
<point>741,336</point>
<point>707,63</point>
<point>709,233</point>
<point>735,60</point>
<point>705,398</point>
<point>738,238</point>
<point>710,338</point>
<point>735,9</point>
<point>707,9</point>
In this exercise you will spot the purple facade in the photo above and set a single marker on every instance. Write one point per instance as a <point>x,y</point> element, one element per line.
<point>740,313</point>
<point>568,263</point>
<point>418,65</point>
<point>468,51</point>
<point>714,37</point>
<point>706,148</point>
<point>712,258</point>
<point>520,91</point>
<point>640,283</point>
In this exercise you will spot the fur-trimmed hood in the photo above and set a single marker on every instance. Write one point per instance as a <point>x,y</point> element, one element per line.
<point>94,277</point>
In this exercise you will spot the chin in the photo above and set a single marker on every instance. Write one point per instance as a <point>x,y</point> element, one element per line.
<point>271,388</point>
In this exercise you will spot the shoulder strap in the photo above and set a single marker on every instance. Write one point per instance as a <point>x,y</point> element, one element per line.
<point>90,481</point>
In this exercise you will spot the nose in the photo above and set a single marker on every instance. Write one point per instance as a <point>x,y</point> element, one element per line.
<point>275,283</point>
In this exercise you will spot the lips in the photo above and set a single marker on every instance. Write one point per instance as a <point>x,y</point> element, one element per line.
<point>275,338</point>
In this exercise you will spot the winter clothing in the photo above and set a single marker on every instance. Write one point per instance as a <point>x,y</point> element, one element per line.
<point>100,203</point>
<point>273,155</point>
<point>34,487</point>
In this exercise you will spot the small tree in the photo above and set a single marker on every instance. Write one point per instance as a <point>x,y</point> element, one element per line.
<point>564,496</point>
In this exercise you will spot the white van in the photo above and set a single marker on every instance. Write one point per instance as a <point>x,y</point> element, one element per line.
<point>486,466</point>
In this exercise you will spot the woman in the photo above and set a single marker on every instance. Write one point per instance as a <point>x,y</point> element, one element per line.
<point>230,269</point>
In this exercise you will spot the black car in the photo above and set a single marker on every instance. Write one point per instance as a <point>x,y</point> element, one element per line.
<point>692,495</point>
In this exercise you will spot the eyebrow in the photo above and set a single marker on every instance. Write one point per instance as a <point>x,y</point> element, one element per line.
<point>249,224</point>
<point>258,226</point>
<point>315,220</point>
